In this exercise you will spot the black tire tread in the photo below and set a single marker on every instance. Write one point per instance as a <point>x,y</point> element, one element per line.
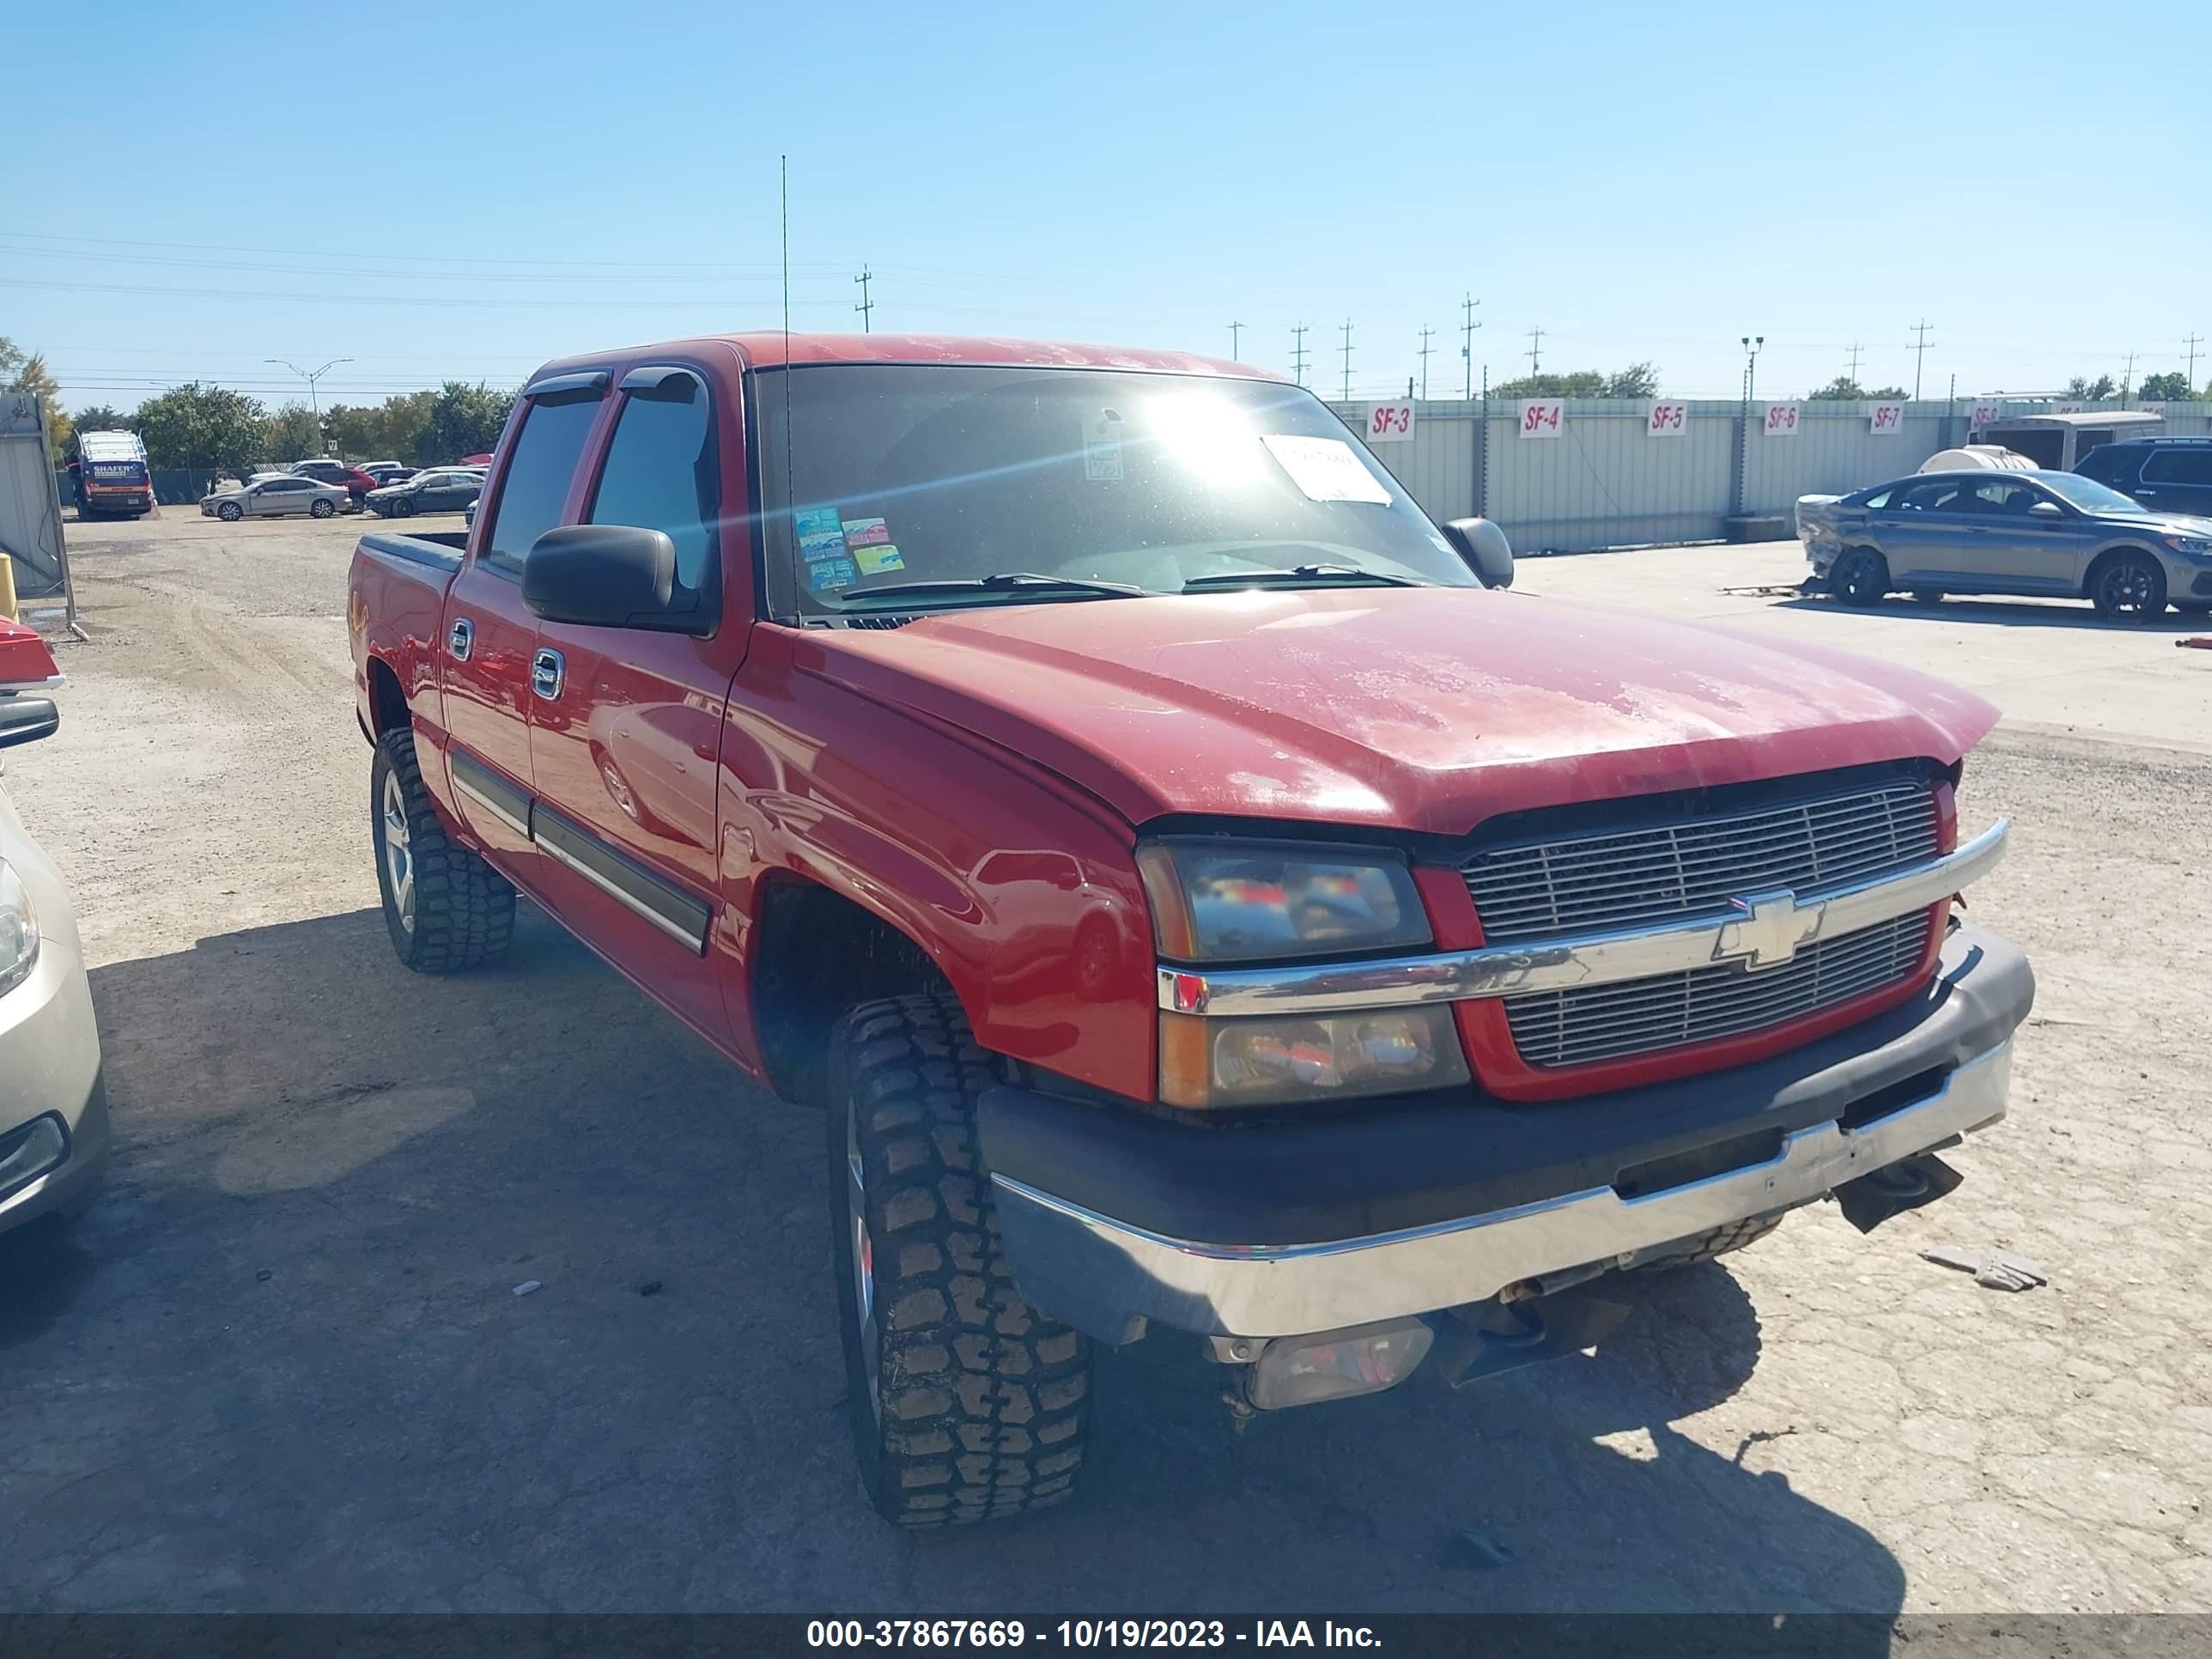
<point>1722,1241</point>
<point>986,1402</point>
<point>464,908</point>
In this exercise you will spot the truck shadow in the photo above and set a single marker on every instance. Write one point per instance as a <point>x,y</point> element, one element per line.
<point>2007,613</point>
<point>292,1348</point>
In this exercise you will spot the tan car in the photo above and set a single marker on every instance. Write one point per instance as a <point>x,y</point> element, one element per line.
<point>269,497</point>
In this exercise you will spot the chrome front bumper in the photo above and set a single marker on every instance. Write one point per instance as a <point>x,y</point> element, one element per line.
<point>1098,1273</point>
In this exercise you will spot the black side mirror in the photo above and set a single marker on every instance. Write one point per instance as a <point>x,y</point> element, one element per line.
<point>605,575</point>
<point>1486,550</point>
<point>25,719</point>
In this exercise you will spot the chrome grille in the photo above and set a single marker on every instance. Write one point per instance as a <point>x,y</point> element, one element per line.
<point>1637,1015</point>
<point>1655,873</point>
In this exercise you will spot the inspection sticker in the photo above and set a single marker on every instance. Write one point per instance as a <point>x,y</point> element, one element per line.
<point>1102,447</point>
<point>874,561</point>
<point>865,532</point>
<point>1325,469</point>
<point>828,575</point>
<point>821,536</point>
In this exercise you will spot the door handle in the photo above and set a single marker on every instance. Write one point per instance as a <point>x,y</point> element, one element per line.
<point>460,639</point>
<point>547,672</point>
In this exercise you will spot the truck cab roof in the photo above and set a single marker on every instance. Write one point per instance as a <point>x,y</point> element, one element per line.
<point>773,348</point>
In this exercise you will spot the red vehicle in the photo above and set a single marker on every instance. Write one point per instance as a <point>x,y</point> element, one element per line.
<point>1202,901</point>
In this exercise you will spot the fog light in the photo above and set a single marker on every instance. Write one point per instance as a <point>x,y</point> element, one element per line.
<point>30,1151</point>
<point>1336,1364</point>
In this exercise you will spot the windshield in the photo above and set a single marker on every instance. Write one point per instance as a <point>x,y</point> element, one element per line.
<point>2088,495</point>
<point>918,473</point>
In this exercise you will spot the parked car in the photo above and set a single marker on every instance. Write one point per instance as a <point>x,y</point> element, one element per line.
<point>267,495</point>
<point>441,489</point>
<point>2038,534</point>
<point>54,1138</point>
<point>387,472</point>
<point>2167,475</point>
<point>355,481</point>
<point>1202,901</point>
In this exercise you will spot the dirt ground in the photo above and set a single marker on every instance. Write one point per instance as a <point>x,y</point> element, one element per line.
<point>279,1364</point>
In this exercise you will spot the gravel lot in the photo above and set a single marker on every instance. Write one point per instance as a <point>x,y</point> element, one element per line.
<point>279,1365</point>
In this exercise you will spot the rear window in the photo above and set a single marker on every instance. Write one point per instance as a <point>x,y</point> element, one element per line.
<point>2192,465</point>
<point>535,486</point>
<point>2110,464</point>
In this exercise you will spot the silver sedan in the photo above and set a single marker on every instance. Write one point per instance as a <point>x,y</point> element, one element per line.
<point>2044,535</point>
<point>268,496</point>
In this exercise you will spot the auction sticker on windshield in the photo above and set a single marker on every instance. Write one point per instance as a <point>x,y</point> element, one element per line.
<point>1325,469</point>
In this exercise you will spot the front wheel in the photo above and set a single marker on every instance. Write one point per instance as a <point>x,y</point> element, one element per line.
<point>444,906</point>
<point>966,1404</point>
<point>319,508</point>
<point>2130,585</point>
<point>229,512</point>
<point>403,508</point>
<point>1861,577</point>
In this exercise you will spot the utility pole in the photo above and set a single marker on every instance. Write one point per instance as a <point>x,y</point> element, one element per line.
<point>1535,345</point>
<point>1426,332</point>
<point>1298,353</point>
<point>1919,351</point>
<point>1467,327</point>
<point>1854,373</point>
<point>867,306</point>
<point>1235,330</point>
<point>314,402</point>
<point>2127,379</point>
<point>1347,360</point>
<point>2193,342</point>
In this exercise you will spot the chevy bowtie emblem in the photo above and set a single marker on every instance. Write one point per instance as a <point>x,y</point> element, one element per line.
<point>1768,928</point>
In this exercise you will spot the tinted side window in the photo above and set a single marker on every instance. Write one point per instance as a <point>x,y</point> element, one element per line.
<point>2112,465</point>
<point>2192,465</point>
<point>1939,495</point>
<point>662,473</point>
<point>537,478</point>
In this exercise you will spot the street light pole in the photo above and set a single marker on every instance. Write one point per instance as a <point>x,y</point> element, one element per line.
<point>314,402</point>
<point>1753,345</point>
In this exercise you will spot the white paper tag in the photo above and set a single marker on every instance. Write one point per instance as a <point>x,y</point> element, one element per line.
<point>1102,447</point>
<point>1325,469</point>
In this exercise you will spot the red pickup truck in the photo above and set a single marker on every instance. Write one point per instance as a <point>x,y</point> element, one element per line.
<point>1201,898</point>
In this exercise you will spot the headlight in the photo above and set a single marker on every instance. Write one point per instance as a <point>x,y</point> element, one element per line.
<point>1214,1063</point>
<point>19,931</point>
<point>2198,544</point>
<point>1225,901</point>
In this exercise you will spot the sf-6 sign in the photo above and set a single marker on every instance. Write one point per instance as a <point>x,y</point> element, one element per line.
<point>1542,417</point>
<point>1781,420</point>
<point>1390,424</point>
<point>1668,420</point>
<point>1887,417</point>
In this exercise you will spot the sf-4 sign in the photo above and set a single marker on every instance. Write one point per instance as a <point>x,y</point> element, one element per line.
<point>1543,417</point>
<point>1668,420</point>
<point>1781,420</point>
<point>1887,417</point>
<point>1390,424</point>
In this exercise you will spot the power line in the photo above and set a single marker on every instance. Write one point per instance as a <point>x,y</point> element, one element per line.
<point>1467,327</point>
<point>1298,353</point>
<point>1347,360</point>
<point>1919,351</point>
<point>1426,332</point>
<point>866,308</point>
<point>1535,345</point>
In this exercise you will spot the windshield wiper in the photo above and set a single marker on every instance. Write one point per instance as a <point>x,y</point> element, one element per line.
<point>1300,575</point>
<point>1005,581</point>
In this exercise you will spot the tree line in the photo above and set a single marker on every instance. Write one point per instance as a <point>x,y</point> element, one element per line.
<point>212,426</point>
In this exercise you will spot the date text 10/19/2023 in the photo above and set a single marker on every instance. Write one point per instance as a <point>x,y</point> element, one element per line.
<point>1083,1633</point>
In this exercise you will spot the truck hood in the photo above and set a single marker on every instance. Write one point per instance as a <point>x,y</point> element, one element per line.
<point>1425,710</point>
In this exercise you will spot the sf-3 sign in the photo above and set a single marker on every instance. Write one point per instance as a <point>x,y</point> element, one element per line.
<point>1390,424</point>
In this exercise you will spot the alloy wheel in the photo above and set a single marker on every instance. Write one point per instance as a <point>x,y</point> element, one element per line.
<point>398,852</point>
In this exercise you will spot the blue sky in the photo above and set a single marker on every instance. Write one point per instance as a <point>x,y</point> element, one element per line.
<point>463,190</point>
